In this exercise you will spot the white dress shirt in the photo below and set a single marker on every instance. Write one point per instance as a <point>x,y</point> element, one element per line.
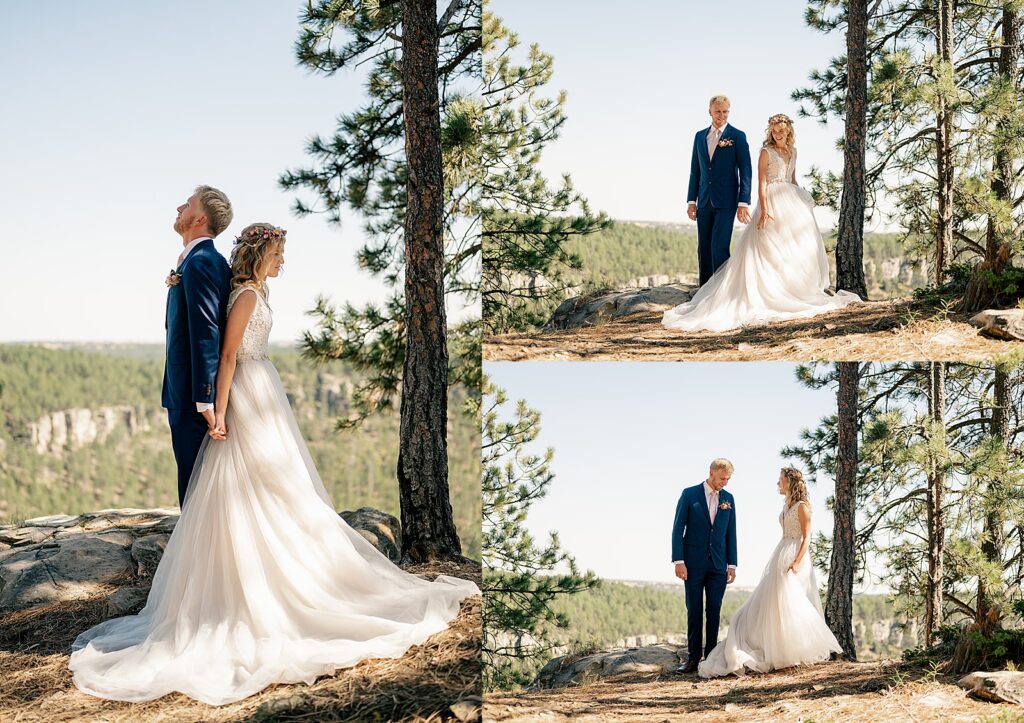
<point>710,154</point>
<point>200,406</point>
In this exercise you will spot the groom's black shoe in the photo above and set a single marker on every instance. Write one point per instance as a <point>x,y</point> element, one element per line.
<point>690,667</point>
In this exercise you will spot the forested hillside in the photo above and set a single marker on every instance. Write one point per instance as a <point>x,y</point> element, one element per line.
<point>82,429</point>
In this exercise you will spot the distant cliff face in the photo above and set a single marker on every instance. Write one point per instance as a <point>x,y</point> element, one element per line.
<point>75,428</point>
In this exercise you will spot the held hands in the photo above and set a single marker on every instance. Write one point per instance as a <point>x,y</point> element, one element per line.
<point>743,214</point>
<point>681,571</point>
<point>219,430</point>
<point>210,417</point>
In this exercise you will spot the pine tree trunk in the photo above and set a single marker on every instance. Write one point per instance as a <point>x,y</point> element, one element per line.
<point>839,602</point>
<point>936,484</point>
<point>944,147</point>
<point>980,294</point>
<point>428,528</point>
<point>850,242</point>
<point>993,538</point>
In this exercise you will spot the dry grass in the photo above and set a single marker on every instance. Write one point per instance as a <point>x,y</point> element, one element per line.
<point>421,686</point>
<point>880,331</point>
<point>839,691</point>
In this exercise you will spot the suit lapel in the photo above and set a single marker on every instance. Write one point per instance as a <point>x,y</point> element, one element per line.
<point>194,251</point>
<point>704,503</point>
<point>704,145</point>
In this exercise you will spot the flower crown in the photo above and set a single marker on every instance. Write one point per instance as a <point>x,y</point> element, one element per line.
<point>266,235</point>
<point>780,118</point>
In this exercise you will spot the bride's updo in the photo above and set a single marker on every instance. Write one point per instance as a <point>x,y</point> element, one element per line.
<point>780,119</point>
<point>250,249</point>
<point>797,486</point>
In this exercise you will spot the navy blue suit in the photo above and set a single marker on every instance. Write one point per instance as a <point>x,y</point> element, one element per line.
<point>718,185</point>
<point>707,550</point>
<point>196,314</point>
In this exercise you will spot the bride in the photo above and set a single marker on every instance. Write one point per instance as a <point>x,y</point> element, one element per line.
<point>779,269</point>
<point>261,581</point>
<point>781,624</point>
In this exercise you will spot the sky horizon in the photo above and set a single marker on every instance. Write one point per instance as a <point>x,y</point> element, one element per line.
<point>632,113</point>
<point>117,111</point>
<point>628,437</point>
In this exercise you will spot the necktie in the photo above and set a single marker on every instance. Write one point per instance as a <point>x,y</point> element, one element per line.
<point>713,506</point>
<point>712,142</point>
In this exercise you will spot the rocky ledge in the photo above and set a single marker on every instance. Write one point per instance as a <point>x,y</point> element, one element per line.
<point>604,306</point>
<point>62,558</point>
<point>581,669</point>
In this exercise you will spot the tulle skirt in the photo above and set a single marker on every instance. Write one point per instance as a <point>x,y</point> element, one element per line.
<point>780,625</point>
<point>780,272</point>
<point>261,581</point>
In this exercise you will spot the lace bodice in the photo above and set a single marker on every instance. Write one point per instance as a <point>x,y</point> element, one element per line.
<point>790,521</point>
<point>257,331</point>
<point>779,170</point>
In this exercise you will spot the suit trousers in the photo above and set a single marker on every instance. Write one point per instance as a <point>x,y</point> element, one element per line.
<point>188,430</point>
<point>700,583</point>
<point>714,235</point>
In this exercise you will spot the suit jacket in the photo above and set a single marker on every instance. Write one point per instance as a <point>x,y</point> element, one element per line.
<point>695,540</point>
<point>722,181</point>
<point>196,314</point>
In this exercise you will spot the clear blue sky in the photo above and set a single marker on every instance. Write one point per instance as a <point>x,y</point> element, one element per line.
<point>639,76</point>
<point>629,436</point>
<point>113,112</point>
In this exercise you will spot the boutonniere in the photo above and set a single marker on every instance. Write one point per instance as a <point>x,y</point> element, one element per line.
<point>725,506</point>
<point>725,143</point>
<point>173,278</point>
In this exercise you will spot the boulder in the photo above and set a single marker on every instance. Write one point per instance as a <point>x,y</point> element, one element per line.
<point>574,670</point>
<point>602,307</point>
<point>1002,686</point>
<point>1005,324</point>
<point>60,558</point>
<point>383,531</point>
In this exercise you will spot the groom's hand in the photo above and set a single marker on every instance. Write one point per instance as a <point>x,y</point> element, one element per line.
<point>691,211</point>
<point>730,576</point>
<point>681,571</point>
<point>210,417</point>
<point>743,214</point>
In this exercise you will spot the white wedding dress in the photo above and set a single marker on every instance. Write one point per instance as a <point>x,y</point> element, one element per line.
<point>261,581</point>
<point>780,272</point>
<point>781,624</point>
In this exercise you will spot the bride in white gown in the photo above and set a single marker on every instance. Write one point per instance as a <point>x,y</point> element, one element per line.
<point>779,269</point>
<point>781,624</point>
<point>261,581</point>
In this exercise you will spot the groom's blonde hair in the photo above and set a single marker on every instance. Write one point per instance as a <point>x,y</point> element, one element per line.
<point>721,463</point>
<point>217,208</point>
<point>718,99</point>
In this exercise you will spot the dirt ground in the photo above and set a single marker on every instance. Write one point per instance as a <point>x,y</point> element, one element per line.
<point>424,685</point>
<point>838,691</point>
<point>879,330</point>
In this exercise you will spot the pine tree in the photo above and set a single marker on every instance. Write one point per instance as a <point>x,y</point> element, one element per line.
<point>526,222</point>
<point>522,579</point>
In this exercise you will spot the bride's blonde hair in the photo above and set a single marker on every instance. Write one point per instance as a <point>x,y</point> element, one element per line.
<point>250,249</point>
<point>797,486</point>
<point>780,119</point>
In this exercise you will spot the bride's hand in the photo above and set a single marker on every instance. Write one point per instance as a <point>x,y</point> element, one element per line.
<point>765,218</point>
<point>219,431</point>
<point>793,567</point>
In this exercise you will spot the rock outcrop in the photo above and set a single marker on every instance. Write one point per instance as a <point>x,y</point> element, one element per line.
<point>602,307</point>
<point>62,558</point>
<point>75,428</point>
<point>1002,686</point>
<point>1001,323</point>
<point>579,670</point>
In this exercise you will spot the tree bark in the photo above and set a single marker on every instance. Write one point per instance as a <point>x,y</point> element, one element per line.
<point>428,527</point>
<point>993,538</point>
<point>936,485</point>
<point>850,242</point>
<point>944,145</point>
<point>839,602</point>
<point>979,293</point>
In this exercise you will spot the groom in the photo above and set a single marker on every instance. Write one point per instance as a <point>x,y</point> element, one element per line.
<point>196,314</point>
<point>719,184</point>
<point>704,553</point>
